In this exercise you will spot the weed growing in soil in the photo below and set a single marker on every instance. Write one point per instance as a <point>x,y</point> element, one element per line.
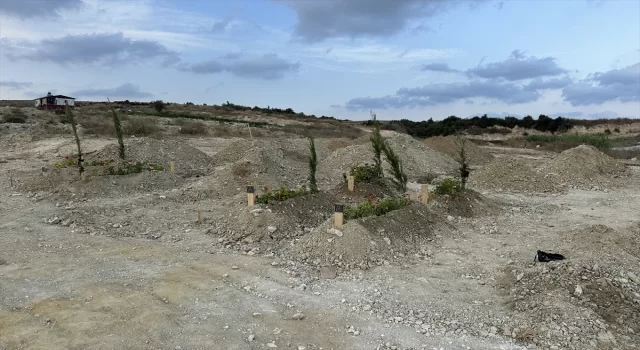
<point>132,168</point>
<point>373,207</point>
<point>448,187</point>
<point>313,165</point>
<point>281,194</point>
<point>66,163</point>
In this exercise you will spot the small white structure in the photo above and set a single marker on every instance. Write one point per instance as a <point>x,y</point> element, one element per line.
<point>54,101</point>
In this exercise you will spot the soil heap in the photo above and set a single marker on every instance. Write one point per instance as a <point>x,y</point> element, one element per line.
<point>510,174</point>
<point>188,160</point>
<point>370,241</point>
<point>447,145</point>
<point>418,160</point>
<point>584,167</point>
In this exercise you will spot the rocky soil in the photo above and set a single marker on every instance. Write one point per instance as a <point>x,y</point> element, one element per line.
<point>177,261</point>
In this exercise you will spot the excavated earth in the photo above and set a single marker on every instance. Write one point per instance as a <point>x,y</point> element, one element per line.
<point>162,260</point>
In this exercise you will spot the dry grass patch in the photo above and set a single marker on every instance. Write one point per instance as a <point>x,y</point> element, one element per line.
<point>141,126</point>
<point>191,127</point>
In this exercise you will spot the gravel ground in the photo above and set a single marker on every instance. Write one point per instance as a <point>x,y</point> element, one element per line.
<point>150,269</point>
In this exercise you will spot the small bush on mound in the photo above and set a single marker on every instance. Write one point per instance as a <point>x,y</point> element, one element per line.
<point>132,168</point>
<point>448,187</point>
<point>364,173</point>
<point>377,208</point>
<point>281,194</point>
<point>68,161</point>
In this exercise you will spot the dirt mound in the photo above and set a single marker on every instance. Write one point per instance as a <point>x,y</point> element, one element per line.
<point>418,159</point>
<point>268,163</point>
<point>275,222</point>
<point>584,167</point>
<point>468,203</point>
<point>370,241</point>
<point>510,174</point>
<point>447,145</point>
<point>188,160</point>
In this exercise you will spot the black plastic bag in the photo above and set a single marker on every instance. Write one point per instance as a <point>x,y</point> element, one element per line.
<point>546,257</point>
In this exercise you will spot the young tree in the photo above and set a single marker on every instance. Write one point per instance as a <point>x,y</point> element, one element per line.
<point>313,163</point>
<point>399,177</point>
<point>463,159</point>
<point>116,122</point>
<point>69,115</point>
<point>378,145</point>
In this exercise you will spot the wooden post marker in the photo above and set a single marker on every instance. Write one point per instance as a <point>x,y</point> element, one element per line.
<point>250,197</point>
<point>172,167</point>
<point>424,195</point>
<point>338,216</point>
<point>198,216</point>
<point>351,181</point>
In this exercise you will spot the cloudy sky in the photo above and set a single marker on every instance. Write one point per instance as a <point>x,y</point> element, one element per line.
<point>412,59</point>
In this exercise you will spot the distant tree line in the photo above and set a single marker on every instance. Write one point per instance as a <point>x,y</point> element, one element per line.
<point>451,125</point>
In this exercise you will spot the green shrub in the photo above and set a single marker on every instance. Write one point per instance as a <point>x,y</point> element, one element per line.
<point>364,173</point>
<point>159,105</point>
<point>67,162</point>
<point>448,187</point>
<point>132,168</point>
<point>372,207</point>
<point>281,194</point>
<point>607,131</point>
<point>616,130</point>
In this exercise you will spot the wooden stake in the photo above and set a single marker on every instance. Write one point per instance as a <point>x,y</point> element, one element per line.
<point>172,167</point>
<point>424,197</point>
<point>11,179</point>
<point>338,216</point>
<point>250,196</point>
<point>351,181</point>
<point>198,216</point>
<point>249,126</point>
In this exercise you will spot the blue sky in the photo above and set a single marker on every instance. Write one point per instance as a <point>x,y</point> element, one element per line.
<point>414,59</point>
